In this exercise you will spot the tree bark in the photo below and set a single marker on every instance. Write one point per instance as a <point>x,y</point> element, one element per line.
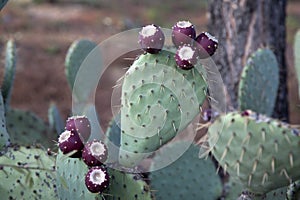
<point>241,27</point>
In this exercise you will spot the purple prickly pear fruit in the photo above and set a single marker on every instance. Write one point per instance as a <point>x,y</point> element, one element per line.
<point>183,33</point>
<point>94,153</point>
<point>97,179</point>
<point>186,57</point>
<point>246,113</point>
<point>207,45</point>
<point>70,143</point>
<point>151,39</point>
<point>79,125</point>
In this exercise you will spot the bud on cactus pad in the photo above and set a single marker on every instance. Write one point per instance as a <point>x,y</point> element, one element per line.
<point>207,44</point>
<point>94,153</point>
<point>97,179</point>
<point>70,142</point>
<point>79,125</point>
<point>151,39</point>
<point>186,57</point>
<point>259,151</point>
<point>183,33</point>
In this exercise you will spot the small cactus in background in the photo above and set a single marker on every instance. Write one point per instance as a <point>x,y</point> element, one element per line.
<point>297,57</point>
<point>2,3</point>
<point>259,83</point>
<point>10,70</point>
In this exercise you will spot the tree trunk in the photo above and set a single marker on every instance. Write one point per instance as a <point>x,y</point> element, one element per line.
<point>242,26</point>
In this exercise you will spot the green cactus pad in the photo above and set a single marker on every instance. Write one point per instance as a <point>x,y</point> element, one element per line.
<point>4,137</point>
<point>124,186</point>
<point>26,128</point>
<point>297,57</point>
<point>259,83</point>
<point>112,140</point>
<point>55,120</point>
<point>233,189</point>
<point>70,177</point>
<point>187,178</point>
<point>10,70</point>
<point>77,53</point>
<point>278,194</point>
<point>158,101</point>
<point>27,173</point>
<point>259,151</point>
<point>293,191</point>
<point>2,3</point>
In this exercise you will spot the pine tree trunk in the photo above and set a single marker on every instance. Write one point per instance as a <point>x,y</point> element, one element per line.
<point>242,26</point>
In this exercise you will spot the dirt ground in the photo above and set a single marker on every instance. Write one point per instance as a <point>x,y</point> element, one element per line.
<point>43,33</point>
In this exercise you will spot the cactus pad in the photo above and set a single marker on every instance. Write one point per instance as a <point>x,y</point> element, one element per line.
<point>124,186</point>
<point>259,151</point>
<point>112,139</point>
<point>77,52</point>
<point>4,137</point>
<point>55,121</point>
<point>26,128</point>
<point>158,101</point>
<point>187,178</point>
<point>70,174</point>
<point>259,83</point>
<point>10,70</point>
<point>27,173</point>
<point>2,3</point>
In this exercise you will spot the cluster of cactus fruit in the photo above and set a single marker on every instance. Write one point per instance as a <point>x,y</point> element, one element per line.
<point>189,47</point>
<point>72,142</point>
<point>162,92</point>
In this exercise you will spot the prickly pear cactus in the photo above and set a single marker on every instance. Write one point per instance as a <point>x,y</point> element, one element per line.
<point>70,173</point>
<point>26,128</point>
<point>259,83</point>
<point>4,137</point>
<point>187,178</point>
<point>55,120</point>
<point>77,52</point>
<point>158,101</point>
<point>10,69</point>
<point>125,186</point>
<point>259,151</point>
<point>27,173</point>
<point>297,56</point>
<point>233,189</point>
<point>2,3</point>
<point>112,139</point>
